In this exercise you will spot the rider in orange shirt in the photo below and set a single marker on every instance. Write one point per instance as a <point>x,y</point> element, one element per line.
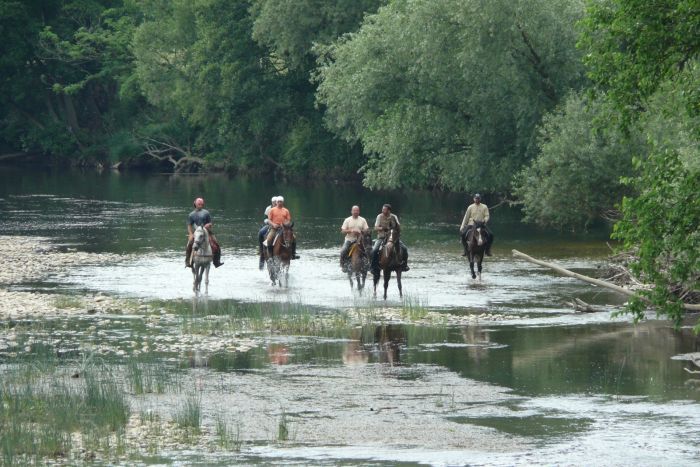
<point>278,216</point>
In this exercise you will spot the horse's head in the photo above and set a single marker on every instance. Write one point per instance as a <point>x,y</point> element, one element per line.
<point>393,236</point>
<point>479,233</point>
<point>366,239</point>
<point>199,236</point>
<point>288,233</point>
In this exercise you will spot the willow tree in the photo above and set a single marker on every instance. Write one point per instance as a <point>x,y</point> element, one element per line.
<point>448,92</point>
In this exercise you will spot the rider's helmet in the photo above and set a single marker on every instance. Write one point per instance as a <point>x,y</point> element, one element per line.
<point>280,198</point>
<point>273,200</point>
<point>477,196</point>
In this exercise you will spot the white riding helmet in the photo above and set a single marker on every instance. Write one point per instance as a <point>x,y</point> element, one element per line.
<point>273,200</point>
<point>280,198</point>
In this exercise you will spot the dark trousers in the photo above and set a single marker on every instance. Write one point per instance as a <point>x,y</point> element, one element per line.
<point>344,252</point>
<point>261,237</point>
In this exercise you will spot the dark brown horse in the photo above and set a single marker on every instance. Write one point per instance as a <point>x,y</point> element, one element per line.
<point>389,260</point>
<point>476,245</point>
<point>358,259</point>
<point>278,261</point>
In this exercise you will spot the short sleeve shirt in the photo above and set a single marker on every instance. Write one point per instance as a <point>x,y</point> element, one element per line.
<point>199,217</point>
<point>389,223</point>
<point>351,223</point>
<point>279,215</point>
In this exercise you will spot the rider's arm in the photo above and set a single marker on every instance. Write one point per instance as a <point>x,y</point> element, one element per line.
<point>465,221</point>
<point>486,216</point>
<point>344,228</point>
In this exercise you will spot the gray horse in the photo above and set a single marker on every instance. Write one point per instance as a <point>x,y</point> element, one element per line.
<point>201,259</point>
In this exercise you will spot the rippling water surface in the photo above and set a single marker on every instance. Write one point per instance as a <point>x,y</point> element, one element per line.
<point>545,386</point>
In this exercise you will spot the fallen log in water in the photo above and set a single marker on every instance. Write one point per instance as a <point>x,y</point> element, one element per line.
<point>590,280</point>
<point>579,305</point>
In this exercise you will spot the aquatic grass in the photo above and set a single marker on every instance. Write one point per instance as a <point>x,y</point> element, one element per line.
<point>68,301</point>
<point>413,308</point>
<point>189,416</point>
<point>145,375</point>
<point>226,438</point>
<point>38,415</point>
<point>292,318</point>
<point>283,428</point>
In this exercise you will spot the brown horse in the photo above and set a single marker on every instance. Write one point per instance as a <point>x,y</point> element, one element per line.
<point>358,259</point>
<point>278,261</point>
<point>476,244</point>
<point>389,260</point>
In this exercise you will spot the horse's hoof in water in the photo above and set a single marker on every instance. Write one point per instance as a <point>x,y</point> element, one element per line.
<point>473,276</point>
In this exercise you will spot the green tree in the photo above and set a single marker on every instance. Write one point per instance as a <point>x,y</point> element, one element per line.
<point>448,93</point>
<point>643,57</point>
<point>575,179</point>
<point>62,76</point>
<point>290,31</point>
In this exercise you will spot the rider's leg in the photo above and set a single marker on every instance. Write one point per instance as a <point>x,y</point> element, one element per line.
<point>215,250</point>
<point>268,241</point>
<point>404,257</point>
<point>375,255</point>
<point>261,238</point>
<point>464,240</point>
<point>344,255</point>
<point>188,253</point>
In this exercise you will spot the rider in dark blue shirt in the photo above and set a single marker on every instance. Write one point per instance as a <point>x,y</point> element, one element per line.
<point>201,217</point>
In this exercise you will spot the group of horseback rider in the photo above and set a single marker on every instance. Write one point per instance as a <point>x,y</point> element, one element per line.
<point>276,215</point>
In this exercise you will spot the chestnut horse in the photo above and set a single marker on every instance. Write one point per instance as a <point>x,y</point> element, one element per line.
<point>389,260</point>
<point>358,259</point>
<point>278,262</point>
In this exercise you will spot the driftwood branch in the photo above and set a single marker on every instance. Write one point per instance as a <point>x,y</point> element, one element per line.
<point>590,280</point>
<point>579,305</point>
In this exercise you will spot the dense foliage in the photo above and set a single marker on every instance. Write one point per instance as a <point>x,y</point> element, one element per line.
<point>448,93</point>
<point>643,58</point>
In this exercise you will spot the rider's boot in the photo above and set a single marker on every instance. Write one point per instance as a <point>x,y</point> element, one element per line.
<point>404,261</point>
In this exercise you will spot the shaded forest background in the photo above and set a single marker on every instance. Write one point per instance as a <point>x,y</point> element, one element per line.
<point>578,111</point>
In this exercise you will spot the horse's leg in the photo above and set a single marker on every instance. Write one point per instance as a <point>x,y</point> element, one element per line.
<point>398,281</point>
<point>471,264</point>
<point>352,285</point>
<point>387,277</point>
<point>375,277</point>
<point>206,278</point>
<point>194,278</point>
<point>481,258</point>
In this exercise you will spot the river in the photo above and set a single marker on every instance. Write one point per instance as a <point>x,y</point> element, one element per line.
<point>531,382</point>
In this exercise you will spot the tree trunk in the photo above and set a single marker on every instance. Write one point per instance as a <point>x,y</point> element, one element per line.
<point>590,280</point>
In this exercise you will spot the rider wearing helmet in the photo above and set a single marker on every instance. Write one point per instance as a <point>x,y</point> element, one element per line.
<point>263,231</point>
<point>201,217</point>
<point>278,216</point>
<point>476,212</point>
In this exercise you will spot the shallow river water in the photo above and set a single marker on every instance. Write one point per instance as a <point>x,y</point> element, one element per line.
<point>525,381</point>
